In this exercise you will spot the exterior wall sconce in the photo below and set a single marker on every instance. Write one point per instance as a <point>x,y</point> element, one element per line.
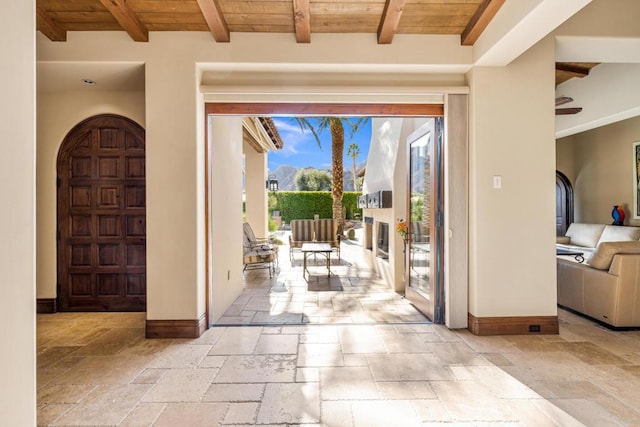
<point>272,183</point>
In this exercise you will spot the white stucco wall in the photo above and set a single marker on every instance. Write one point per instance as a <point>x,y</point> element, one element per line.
<point>512,261</point>
<point>17,218</point>
<point>57,114</point>
<point>175,148</point>
<point>255,169</point>
<point>226,211</point>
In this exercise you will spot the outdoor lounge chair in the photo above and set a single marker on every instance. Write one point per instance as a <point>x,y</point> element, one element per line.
<point>257,252</point>
<point>326,231</point>
<point>302,231</point>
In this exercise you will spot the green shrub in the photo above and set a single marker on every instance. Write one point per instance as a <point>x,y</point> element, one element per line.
<point>306,204</point>
<point>351,234</point>
<point>272,225</point>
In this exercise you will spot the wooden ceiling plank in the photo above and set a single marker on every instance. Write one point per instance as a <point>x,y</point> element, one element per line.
<point>215,20</point>
<point>127,19</point>
<point>302,20</point>
<point>479,21</point>
<point>49,27</point>
<point>390,20</point>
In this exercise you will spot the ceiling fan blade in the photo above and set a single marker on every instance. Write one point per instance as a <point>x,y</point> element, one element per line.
<point>563,100</point>
<point>564,111</point>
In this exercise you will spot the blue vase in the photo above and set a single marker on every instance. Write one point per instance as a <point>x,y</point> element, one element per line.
<point>618,219</point>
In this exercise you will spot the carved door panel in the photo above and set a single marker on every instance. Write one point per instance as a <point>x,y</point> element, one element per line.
<point>102,217</point>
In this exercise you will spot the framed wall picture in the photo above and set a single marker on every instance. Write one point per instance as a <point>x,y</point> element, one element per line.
<point>636,180</point>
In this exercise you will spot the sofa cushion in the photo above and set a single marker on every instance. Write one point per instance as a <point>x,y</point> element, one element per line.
<point>618,233</point>
<point>563,239</point>
<point>603,255</point>
<point>585,234</point>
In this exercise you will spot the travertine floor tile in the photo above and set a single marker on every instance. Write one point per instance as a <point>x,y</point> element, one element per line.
<point>471,401</point>
<point>320,355</point>
<point>234,393</point>
<point>236,341</point>
<point>181,385</point>
<point>258,369</point>
<point>180,356</point>
<point>407,367</point>
<point>144,414</point>
<point>384,413</point>
<point>241,413</point>
<point>106,405</point>
<point>277,344</point>
<point>336,413</point>
<point>290,403</point>
<point>192,415</point>
<point>347,383</point>
<point>405,390</point>
<point>69,393</point>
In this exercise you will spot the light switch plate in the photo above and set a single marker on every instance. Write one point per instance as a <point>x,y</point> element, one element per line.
<point>497,181</point>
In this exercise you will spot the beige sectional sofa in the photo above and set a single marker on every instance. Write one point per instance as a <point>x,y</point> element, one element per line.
<point>606,286</point>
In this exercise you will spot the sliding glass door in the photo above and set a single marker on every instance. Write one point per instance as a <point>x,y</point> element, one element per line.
<point>424,250</point>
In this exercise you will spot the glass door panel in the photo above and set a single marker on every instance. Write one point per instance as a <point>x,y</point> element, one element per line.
<point>423,270</point>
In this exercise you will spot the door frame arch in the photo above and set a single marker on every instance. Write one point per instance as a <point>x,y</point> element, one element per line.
<point>563,180</point>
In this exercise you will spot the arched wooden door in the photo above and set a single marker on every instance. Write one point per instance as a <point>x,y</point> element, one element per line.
<point>564,203</point>
<point>102,216</point>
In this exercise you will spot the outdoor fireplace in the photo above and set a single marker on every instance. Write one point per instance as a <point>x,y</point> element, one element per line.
<point>382,238</point>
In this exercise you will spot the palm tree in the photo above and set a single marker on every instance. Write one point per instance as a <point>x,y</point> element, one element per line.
<point>353,151</point>
<point>336,125</point>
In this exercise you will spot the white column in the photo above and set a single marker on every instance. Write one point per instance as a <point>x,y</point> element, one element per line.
<point>175,192</point>
<point>512,270</point>
<point>17,218</point>
<point>255,166</point>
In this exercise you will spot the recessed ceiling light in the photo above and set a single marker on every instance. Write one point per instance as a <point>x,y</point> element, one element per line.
<point>89,82</point>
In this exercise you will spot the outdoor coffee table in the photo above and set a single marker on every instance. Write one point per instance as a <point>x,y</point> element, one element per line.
<point>308,249</point>
<point>579,256</point>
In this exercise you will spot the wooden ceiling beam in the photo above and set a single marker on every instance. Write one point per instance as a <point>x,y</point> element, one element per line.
<point>302,20</point>
<point>127,19</point>
<point>574,69</point>
<point>215,20</point>
<point>390,20</point>
<point>49,27</point>
<point>479,21</point>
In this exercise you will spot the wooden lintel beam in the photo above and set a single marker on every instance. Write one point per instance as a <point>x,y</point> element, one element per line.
<point>390,20</point>
<point>302,20</point>
<point>479,21</point>
<point>215,20</point>
<point>575,70</point>
<point>127,19</point>
<point>49,27</point>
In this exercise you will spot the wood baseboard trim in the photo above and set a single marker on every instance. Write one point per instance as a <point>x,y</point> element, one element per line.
<point>176,328</point>
<point>46,305</point>
<point>525,325</point>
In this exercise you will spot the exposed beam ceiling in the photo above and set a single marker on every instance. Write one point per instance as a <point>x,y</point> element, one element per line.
<point>390,20</point>
<point>384,18</point>
<point>215,20</point>
<point>127,19</point>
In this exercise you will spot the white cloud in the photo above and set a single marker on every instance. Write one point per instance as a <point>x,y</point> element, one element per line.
<point>294,139</point>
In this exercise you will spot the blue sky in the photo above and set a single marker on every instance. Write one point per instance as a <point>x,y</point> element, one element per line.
<point>301,149</point>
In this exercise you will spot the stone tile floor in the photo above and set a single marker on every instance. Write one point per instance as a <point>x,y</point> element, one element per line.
<point>98,370</point>
<point>329,364</point>
<point>352,294</point>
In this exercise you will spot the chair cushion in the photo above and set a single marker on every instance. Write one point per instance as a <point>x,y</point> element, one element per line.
<point>302,230</point>
<point>617,233</point>
<point>326,230</point>
<point>585,234</point>
<point>252,257</point>
<point>603,256</point>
